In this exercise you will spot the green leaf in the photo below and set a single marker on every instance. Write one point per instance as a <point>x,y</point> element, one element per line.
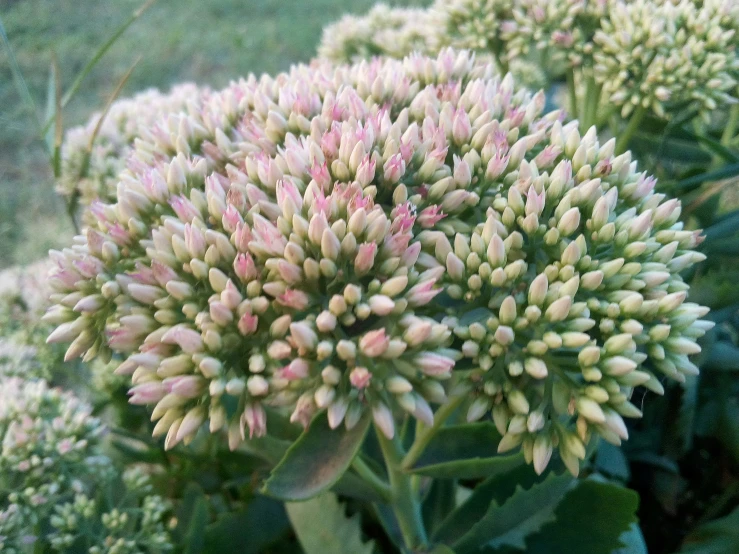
<point>610,459</point>
<point>524,513</point>
<point>439,502</point>
<point>726,227</point>
<point>323,528</point>
<point>590,518</point>
<point>723,356</point>
<point>474,316</point>
<point>716,537</point>
<point>192,517</point>
<point>248,531</point>
<point>497,489</point>
<point>316,460</point>
<point>468,451</point>
<point>632,541</point>
<point>713,145</point>
<point>725,172</point>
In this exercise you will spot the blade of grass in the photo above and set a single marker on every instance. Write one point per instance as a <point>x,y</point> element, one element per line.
<point>714,146</point>
<point>18,78</point>
<point>116,92</point>
<point>725,172</point>
<point>98,55</point>
<point>74,199</point>
<point>58,126</point>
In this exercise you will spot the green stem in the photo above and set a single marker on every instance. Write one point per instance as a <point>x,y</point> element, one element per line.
<point>366,473</point>
<point>424,436</point>
<point>731,125</point>
<point>585,121</point>
<point>404,501</point>
<point>572,90</point>
<point>625,137</point>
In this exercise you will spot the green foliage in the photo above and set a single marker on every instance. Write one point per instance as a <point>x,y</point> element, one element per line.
<point>466,451</point>
<point>717,537</point>
<point>316,461</point>
<point>522,514</point>
<point>323,528</point>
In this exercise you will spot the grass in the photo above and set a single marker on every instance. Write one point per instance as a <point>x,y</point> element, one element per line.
<point>205,41</point>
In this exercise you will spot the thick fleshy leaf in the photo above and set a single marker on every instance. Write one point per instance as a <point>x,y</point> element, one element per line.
<point>323,528</point>
<point>610,459</point>
<point>603,512</point>
<point>439,502</point>
<point>495,490</point>
<point>248,531</point>
<point>723,356</point>
<point>516,519</point>
<point>467,451</point>
<point>316,460</point>
<point>192,517</point>
<point>725,172</point>
<point>632,541</point>
<point>716,537</point>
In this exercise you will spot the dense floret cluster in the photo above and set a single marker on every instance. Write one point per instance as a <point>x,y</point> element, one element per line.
<point>54,482</point>
<point>354,238</point>
<point>649,54</point>
<point>94,154</point>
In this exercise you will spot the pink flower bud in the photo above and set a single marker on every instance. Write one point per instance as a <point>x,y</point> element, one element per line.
<point>374,343</point>
<point>360,377</point>
<point>434,365</point>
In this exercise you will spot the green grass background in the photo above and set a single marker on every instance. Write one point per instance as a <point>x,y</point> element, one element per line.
<point>206,41</point>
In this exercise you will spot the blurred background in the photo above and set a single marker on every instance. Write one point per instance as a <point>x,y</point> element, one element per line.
<point>205,41</point>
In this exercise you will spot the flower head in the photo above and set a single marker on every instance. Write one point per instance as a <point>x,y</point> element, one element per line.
<point>328,243</point>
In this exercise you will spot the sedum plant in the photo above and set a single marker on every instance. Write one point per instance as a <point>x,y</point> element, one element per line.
<point>622,61</point>
<point>95,153</point>
<point>409,242</point>
<point>55,486</point>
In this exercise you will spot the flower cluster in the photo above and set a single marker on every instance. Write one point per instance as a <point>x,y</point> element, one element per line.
<point>340,238</point>
<point>137,523</point>
<point>91,162</point>
<point>650,54</point>
<point>654,54</point>
<point>386,31</point>
<point>48,439</point>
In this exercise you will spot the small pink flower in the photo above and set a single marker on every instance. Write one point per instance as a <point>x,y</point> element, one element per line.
<point>188,386</point>
<point>365,257</point>
<point>188,339</point>
<point>374,343</point>
<point>255,418</point>
<point>534,201</point>
<point>248,324</point>
<point>422,293</point>
<point>245,268</point>
<point>231,218</point>
<point>320,175</point>
<point>147,393</point>
<point>184,209</point>
<point>394,168</point>
<point>434,365</point>
<point>296,299</point>
<point>366,171</point>
<point>297,369</point>
<point>430,216</point>
<point>360,377</point>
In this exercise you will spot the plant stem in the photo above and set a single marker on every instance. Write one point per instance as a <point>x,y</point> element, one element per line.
<point>366,473</point>
<point>731,125</point>
<point>424,436</point>
<point>572,90</point>
<point>404,501</point>
<point>625,137</point>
